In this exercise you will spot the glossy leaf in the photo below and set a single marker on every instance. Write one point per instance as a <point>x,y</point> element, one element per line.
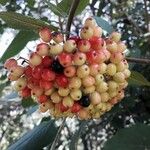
<point>66,4</point>
<point>133,138</point>
<point>104,24</point>
<point>137,78</point>
<point>19,21</point>
<point>37,138</point>
<point>28,102</point>
<point>19,42</point>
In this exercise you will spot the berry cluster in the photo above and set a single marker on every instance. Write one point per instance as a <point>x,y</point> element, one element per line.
<point>83,76</point>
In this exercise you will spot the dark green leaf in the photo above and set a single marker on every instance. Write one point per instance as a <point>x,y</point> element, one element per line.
<point>133,138</point>
<point>102,4</point>
<point>66,4</point>
<point>104,24</point>
<point>27,102</point>
<point>56,10</point>
<point>19,21</point>
<point>76,136</point>
<point>3,2</point>
<point>19,42</point>
<point>137,78</point>
<point>31,2</point>
<point>37,138</point>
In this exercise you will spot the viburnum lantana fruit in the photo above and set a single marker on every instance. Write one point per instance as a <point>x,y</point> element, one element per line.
<point>83,76</point>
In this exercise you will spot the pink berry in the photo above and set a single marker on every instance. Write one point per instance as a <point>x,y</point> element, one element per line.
<point>17,71</point>
<point>57,37</point>
<point>47,61</point>
<point>69,71</point>
<point>116,57</point>
<point>97,31</point>
<point>75,38</point>
<point>42,49</point>
<point>45,34</point>
<point>106,53</point>
<point>32,82</point>
<point>10,63</point>
<point>48,75</point>
<point>94,69</point>
<point>36,72</point>
<point>62,81</point>
<point>65,59</point>
<point>96,43</point>
<point>46,84</point>
<point>35,59</point>
<point>28,71</point>
<point>84,45</point>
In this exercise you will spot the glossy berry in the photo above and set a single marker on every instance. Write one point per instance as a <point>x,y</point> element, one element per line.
<point>42,49</point>
<point>75,82</point>
<point>46,84</point>
<point>26,92</point>
<point>28,71</point>
<point>112,47</point>
<point>84,45</point>
<point>55,49</point>
<point>35,59</point>
<point>37,91</point>
<point>121,46</point>
<point>115,36</point>
<point>47,75</point>
<point>85,101</point>
<point>70,71</point>
<point>36,72</point>
<point>79,58</point>
<point>83,71</point>
<point>45,34</point>
<point>95,98</point>
<point>94,69</point>
<point>12,77</point>
<point>61,107</point>
<point>10,63</point>
<point>97,31</point>
<point>47,61</point>
<point>70,46</point>
<point>17,71</point>
<point>75,38</point>
<point>55,97</point>
<point>88,81</point>
<point>116,57</point>
<point>62,81</point>
<point>65,59</point>
<point>76,108</point>
<point>63,91</point>
<point>86,33</point>
<point>57,37</point>
<point>96,43</point>
<point>20,83</point>
<point>42,99</point>
<point>57,67</point>
<point>67,101</point>
<point>90,22</point>
<point>75,94</point>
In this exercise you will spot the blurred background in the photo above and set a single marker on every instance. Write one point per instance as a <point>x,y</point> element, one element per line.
<point>131,18</point>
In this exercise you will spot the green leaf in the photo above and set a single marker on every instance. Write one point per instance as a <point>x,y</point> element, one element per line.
<point>37,138</point>
<point>19,21</point>
<point>137,78</point>
<point>19,42</point>
<point>56,10</point>
<point>133,138</point>
<point>31,2</point>
<point>28,102</point>
<point>76,136</point>
<point>66,4</point>
<point>104,24</point>
<point>3,2</point>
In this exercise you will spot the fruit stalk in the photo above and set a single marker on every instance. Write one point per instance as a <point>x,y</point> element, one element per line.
<point>138,60</point>
<point>71,15</point>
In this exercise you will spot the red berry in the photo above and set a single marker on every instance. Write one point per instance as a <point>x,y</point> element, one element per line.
<point>46,84</point>
<point>36,72</point>
<point>65,59</point>
<point>75,38</point>
<point>96,43</point>
<point>26,92</point>
<point>37,91</point>
<point>92,56</point>
<point>32,82</point>
<point>42,99</point>
<point>28,71</point>
<point>48,75</point>
<point>61,107</point>
<point>45,34</point>
<point>47,61</point>
<point>75,108</point>
<point>62,81</point>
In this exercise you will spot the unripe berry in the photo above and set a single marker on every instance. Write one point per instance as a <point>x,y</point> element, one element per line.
<point>115,36</point>
<point>90,22</point>
<point>83,71</point>
<point>96,43</point>
<point>102,68</point>
<point>95,98</point>
<point>88,81</point>
<point>70,71</point>
<point>75,82</point>
<point>127,73</point>
<point>70,46</point>
<point>119,77</point>
<point>99,78</point>
<point>112,47</point>
<point>86,33</point>
<point>97,31</point>
<point>63,91</point>
<point>42,99</point>
<point>20,83</point>
<point>121,47</point>
<point>42,49</point>
<point>116,57</point>
<point>10,63</point>
<point>102,87</point>
<point>94,69</point>
<point>57,37</point>
<point>89,89</point>
<point>79,58</point>
<point>35,59</point>
<point>37,91</point>
<point>76,94</point>
<point>105,97</point>
<point>65,59</point>
<point>83,114</point>
<point>120,66</point>
<point>112,85</point>
<point>67,101</point>
<point>111,69</point>
<point>55,49</point>
<point>55,97</point>
<point>123,85</point>
<point>84,45</point>
<point>45,34</point>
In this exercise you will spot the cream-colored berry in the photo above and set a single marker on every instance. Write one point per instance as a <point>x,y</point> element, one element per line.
<point>67,101</point>
<point>111,69</point>
<point>55,97</point>
<point>119,77</point>
<point>97,31</point>
<point>120,66</point>
<point>86,32</point>
<point>55,49</point>
<point>112,85</point>
<point>90,22</point>
<point>49,92</point>
<point>89,89</point>
<point>76,94</point>
<point>70,46</point>
<point>121,47</point>
<point>105,97</point>
<point>94,69</point>
<point>127,73</point>
<point>115,36</point>
<point>113,93</point>
<point>102,68</point>
<point>75,82</point>
<point>83,71</point>
<point>102,87</point>
<point>99,78</point>
<point>95,98</point>
<point>88,81</point>
<point>79,58</point>
<point>20,84</point>
<point>63,91</point>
